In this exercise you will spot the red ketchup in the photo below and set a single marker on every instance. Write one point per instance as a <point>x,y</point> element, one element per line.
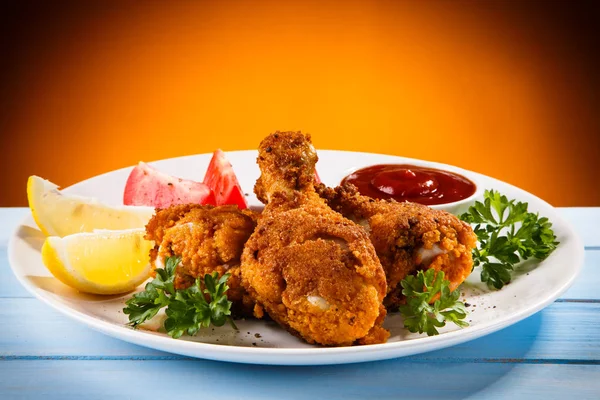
<point>403,182</point>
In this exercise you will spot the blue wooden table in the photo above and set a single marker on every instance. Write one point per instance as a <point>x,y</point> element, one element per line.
<point>553,354</point>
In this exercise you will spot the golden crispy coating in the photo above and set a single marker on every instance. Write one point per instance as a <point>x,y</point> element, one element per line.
<point>286,161</point>
<point>312,270</point>
<point>408,237</point>
<point>207,238</point>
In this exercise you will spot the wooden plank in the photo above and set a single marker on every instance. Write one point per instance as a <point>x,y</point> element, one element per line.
<point>587,286</point>
<point>25,318</point>
<point>56,379</point>
<point>586,221</point>
<point>9,286</point>
<point>563,331</point>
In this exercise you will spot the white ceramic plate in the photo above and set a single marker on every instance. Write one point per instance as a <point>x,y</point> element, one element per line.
<point>260,342</point>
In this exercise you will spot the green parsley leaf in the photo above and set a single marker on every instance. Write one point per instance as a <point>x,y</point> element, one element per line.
<point>164,277</point>
<point>143,306</point>
<point>190,310</point>
<point>202,304</point>
<point>507,234</point>
<point>420,315</point>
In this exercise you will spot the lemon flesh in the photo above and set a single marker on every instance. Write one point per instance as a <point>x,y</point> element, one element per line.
<point>106,262</point>
<point>58,214</point>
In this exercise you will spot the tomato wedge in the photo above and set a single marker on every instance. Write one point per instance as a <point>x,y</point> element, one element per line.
<point>223,181</point>
<point>146,186</point>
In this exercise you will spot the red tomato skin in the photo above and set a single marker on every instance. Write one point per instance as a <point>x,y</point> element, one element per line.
<point>221,178</point>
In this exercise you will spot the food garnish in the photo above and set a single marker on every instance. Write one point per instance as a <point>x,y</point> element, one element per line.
<point>103,262</point>
<point>420,313</point>
<point>61,214</point>
<point>221,179</point>
<point>507,234</point>
<point>187,310</point>
<point>146,186</point>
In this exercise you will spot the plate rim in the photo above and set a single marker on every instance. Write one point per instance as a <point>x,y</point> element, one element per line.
<point>311,355</point>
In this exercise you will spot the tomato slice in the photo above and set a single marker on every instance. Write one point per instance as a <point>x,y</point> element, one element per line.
<point>223,181</point>
<point>147,186</point>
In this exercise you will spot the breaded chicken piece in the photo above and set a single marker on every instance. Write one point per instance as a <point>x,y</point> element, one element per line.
<point>312,270</point>
<point>407,237</point>
<point>207,239</point>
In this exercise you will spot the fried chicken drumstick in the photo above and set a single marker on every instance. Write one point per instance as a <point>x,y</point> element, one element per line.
<point>312,270</point>
<point>407,237</point>
<point>208,239</point>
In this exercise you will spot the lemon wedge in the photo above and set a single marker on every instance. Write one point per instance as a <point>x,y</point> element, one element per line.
<point>58,214</point>
<point>104,262</point>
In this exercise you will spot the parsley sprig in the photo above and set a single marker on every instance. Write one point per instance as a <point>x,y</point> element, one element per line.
<point>420,314</point>
<point>187,310</point>
<point>507,234</point>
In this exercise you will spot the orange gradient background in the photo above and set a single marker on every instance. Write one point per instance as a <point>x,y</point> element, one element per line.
<point>508,89</point>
